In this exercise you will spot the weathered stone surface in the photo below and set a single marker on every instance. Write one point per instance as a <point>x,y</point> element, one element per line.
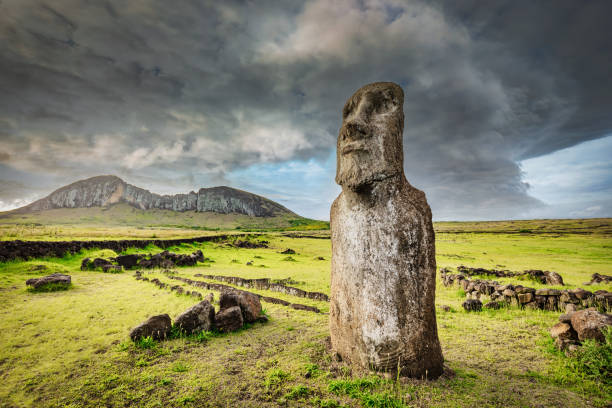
<point>570,308</point>
<point>56,278</point>
<point>200,317</point>
<point>548,292</point>
<point>472,305</point>
<point>158,327</point>
<point>525,297</point>
<point>566,318</point>
<point>382,311</point>
<point>248,302</point>
<point>508,292</point>
<point>563,331</point>
<point>230,319</point>
<point>589,324</point>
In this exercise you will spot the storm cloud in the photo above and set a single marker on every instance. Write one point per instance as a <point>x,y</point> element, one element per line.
<point>176,96</point>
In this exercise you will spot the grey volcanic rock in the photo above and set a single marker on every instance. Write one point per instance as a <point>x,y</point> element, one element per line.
<point>103,191</point>
<point>229,320</point>
<point>382,311</point>
<point>200,317</point>
<point>158,327</point>
<point>248,302</point>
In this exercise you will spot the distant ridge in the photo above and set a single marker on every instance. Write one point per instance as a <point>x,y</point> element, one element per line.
<point>103,191</point>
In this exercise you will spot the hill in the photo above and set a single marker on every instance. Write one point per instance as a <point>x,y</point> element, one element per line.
<point>111,202</point>
<point>102,191</point>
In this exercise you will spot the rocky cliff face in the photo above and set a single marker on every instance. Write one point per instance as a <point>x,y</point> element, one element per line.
<point>107,190</point>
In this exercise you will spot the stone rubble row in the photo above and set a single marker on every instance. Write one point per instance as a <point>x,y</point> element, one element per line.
<point>264,283</point>
<point>220,288</point>
<point>518,295</point>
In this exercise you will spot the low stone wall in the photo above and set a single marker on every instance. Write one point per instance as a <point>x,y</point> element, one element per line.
<point>264,283</point>
<point>10,250</point>
<point>517,295</point>
<point>225,288</point>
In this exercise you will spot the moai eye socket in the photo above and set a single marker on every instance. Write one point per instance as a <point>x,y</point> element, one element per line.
<point>348,109</point>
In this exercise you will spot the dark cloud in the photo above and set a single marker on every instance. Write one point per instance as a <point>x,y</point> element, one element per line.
<point>175,96</point>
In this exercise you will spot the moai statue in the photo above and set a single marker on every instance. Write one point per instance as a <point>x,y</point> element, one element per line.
<point>382,312</point>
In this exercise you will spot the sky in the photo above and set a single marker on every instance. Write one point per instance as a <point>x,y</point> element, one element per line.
<point>507,103</point>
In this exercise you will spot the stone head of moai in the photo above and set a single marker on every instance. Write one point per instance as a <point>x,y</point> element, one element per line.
<point>370,139</point>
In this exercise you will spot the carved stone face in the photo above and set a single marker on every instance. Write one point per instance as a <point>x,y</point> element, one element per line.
<point>370,139</point>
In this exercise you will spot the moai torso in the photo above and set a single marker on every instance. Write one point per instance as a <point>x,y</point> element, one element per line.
<point>382,312</point>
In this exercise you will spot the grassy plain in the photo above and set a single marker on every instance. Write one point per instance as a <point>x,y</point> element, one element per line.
<point>71,348</point>
<point>123,215</point>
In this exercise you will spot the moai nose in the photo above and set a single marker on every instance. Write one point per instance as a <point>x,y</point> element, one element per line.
<point>355,130</point>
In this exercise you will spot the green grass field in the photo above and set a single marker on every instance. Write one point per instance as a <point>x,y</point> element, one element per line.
<point>71,348</point>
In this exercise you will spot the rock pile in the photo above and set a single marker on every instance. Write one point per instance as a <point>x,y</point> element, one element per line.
<point>236,309</point>
<point>576,327</point>
<point>165,259</point>
<point>54,279</point>
<point>543,277</point>
<point>517,295</point>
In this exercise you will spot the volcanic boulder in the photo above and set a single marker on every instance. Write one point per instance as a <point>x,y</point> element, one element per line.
<point>158,327</point>
<point>229,320</point>
<point>200,317</point>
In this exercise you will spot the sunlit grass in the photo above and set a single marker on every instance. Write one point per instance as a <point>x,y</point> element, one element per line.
<point>72,348</point>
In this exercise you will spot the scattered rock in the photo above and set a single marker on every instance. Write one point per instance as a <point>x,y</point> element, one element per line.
<point>570,307</point>
<point>158,327</point>
<point>200,317</point>
<point>229,320</point>
<point>56,278</point>
<point>210,297</point>
<point>288,251</point>
<point>445,308</point>
<point>472,305</point>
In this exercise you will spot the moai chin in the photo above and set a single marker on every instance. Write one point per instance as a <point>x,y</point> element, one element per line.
<point>382,311</point>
